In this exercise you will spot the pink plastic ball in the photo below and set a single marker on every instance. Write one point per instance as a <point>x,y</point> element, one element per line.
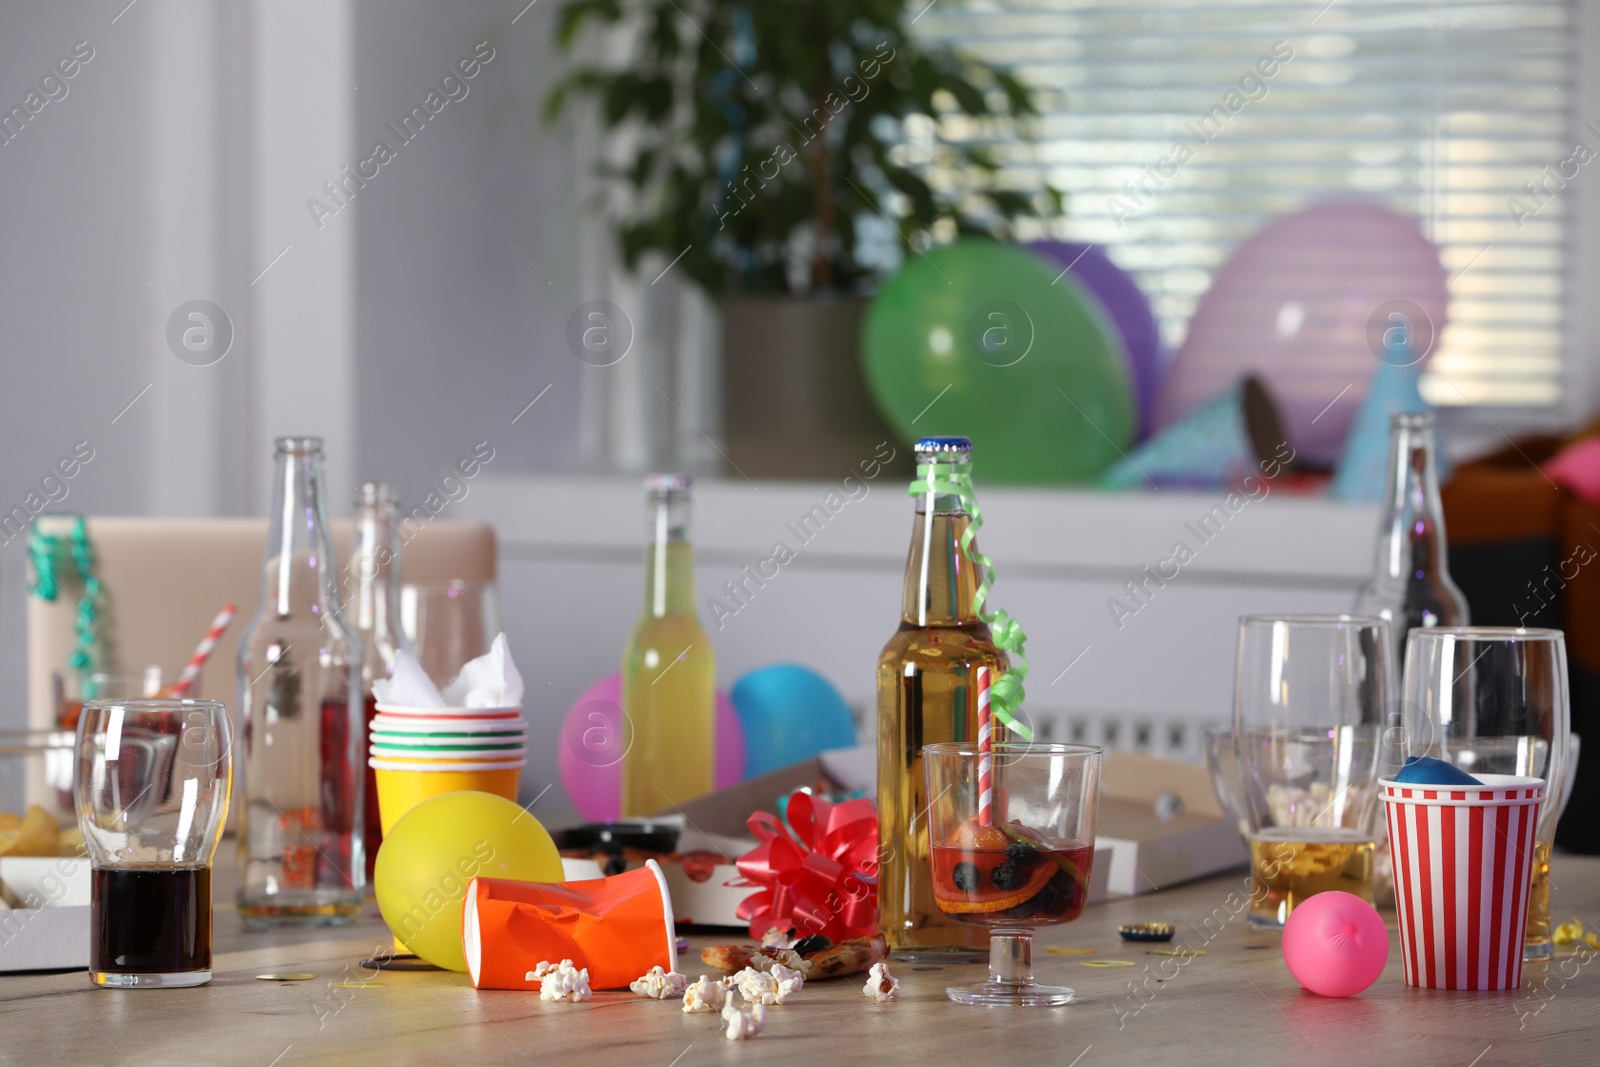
<point>1335,944</point>
<point>591,749</point>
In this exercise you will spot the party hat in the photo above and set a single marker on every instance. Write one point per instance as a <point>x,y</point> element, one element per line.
<point>1363,471</point>
<point>1221,439</point>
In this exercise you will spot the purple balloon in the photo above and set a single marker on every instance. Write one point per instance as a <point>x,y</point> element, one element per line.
<point>1125,304</point>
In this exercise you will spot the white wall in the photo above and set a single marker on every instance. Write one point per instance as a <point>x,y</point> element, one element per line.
<point>457,328</point>
<point>404,330</point>
<point>73,281</point>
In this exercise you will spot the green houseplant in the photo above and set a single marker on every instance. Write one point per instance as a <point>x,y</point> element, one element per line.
<point>784,154</point>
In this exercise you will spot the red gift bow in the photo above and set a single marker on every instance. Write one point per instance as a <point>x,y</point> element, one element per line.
<point>819,874</point>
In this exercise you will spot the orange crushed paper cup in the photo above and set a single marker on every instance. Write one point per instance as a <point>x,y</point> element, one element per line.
<point>617,927</point>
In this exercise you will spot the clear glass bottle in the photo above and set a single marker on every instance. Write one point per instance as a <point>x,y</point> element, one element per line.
<point>1411,585</point>
<point>668,669</point>
<point>373,582</point>
<point>301,855</point>
<point>927,692</point>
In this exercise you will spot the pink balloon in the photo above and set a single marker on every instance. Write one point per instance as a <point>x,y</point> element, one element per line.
<point>1335,944</point>
<point>1304,304</point>
<point>592,747</point>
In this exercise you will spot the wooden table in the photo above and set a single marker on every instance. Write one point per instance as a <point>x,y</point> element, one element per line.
<point>1236,1004</point>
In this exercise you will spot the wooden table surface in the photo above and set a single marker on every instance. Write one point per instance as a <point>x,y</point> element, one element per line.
<point>1237,1004</point>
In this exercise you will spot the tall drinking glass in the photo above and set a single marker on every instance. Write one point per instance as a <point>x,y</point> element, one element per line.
<point>1493,700</point>
<point>449,623</point>
<point>1022,861</point>
<point>1311,696</point>
<point>152,795</point>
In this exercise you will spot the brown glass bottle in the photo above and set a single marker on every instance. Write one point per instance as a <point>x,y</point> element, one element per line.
<point>927,692</point>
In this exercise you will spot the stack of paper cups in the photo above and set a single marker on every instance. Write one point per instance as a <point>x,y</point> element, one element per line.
<point>1463,856</point>
<point>421,752</point>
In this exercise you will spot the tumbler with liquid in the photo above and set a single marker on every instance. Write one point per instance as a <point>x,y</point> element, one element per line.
<point>153,780</point>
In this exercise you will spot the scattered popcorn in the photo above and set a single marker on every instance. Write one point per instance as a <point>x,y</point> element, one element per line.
<point>775,938</point>
<point>786,957</point>
<point>757,987</point>
<point>789,981</point>
<point>1568,933</point>
<point>744,1025</point>
<point>658,984</point>
<point>775,986</point>
<point>561,981</point>
<point>707,994</point>
<point>881,985</point>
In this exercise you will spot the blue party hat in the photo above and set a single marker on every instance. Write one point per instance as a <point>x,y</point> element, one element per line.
<point>1363,470</point>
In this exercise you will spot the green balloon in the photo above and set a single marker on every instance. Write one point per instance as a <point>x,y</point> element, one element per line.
<point>984,340</point>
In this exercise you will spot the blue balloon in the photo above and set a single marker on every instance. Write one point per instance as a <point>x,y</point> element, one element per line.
<point>789,713</point>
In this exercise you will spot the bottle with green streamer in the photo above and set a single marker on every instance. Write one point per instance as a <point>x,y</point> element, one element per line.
<point>927,692</point>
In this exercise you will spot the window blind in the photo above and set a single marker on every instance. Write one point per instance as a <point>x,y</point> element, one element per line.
<point>1459,114</point>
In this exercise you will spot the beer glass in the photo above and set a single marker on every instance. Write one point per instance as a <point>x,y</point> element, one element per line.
<point>1311,698</point>
<point>1493,700</point>
<point>152,794</point>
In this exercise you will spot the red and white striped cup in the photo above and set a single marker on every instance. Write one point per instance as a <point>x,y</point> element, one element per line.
<point>1463,860</point>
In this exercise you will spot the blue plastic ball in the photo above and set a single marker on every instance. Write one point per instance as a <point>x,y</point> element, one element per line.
<point>789,714</point>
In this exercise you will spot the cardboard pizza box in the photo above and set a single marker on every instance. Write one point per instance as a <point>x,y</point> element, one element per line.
<point>44,914</point>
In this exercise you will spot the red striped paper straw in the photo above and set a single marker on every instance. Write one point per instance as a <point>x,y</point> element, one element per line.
<point>985,740</point>
<point>207,645</point>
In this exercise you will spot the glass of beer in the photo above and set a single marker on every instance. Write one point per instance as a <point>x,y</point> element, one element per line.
<point>1311,697</point>
<point>152,794</point>
<point>1494,700</point>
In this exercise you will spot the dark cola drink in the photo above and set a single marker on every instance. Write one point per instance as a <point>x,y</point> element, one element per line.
<point>151,921</point>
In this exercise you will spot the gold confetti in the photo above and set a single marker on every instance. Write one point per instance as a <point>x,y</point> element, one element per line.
<point>1105,963</point>
<point>285,976</point>
<point>1568,933</point>
<point>1179,951</point>
<point>1055,951</point>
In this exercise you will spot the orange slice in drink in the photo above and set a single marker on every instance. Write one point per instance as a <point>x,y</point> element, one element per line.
<point>969,835</point>
<point>1041,874</point>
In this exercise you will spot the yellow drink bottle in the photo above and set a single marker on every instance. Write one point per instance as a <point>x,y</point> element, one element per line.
<point>668,670</point>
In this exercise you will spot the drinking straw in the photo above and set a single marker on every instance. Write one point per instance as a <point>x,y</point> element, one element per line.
<point>203,651</point>
<point>985,771</point>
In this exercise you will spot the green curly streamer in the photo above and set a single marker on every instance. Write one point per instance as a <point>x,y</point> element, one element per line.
<point>948,478</point>
<point>49,552</point>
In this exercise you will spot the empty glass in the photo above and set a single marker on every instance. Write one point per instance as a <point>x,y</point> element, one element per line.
<point>1023,862</point>
<point>153,778</point>
<point>1493,700</point>
<point>1311,696</point>
<point>449,623</point>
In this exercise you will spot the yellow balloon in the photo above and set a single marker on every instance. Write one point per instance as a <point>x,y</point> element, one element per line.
<point>438,847</point>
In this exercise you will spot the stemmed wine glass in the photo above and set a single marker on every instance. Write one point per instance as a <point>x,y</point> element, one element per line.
<point>1019,862</point>
<point>1493,700</point>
